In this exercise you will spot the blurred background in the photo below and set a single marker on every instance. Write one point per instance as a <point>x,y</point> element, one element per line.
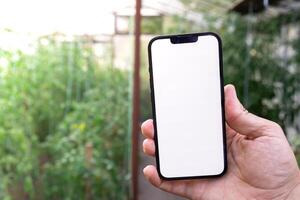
<point>74,86</point>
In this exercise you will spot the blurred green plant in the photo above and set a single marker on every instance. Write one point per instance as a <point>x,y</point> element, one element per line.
<point>151,25</point>
<point>63,124</point>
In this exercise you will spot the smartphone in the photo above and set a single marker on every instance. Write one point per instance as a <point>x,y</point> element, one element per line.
<point>187,94</point>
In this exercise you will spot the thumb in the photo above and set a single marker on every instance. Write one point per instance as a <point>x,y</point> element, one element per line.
<point>240,120</point>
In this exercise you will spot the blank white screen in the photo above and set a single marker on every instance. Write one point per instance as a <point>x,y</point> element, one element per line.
<point>187,94</point>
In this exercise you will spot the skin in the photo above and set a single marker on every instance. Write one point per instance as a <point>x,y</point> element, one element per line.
<point>261,164</point>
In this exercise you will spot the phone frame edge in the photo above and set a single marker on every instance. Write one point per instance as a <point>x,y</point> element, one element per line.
<point>222,106</point>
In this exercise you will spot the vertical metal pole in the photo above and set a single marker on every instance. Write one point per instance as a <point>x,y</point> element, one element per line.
<point>136,100</point>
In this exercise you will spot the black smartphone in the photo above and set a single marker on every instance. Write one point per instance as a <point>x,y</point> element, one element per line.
<point>187,96</point>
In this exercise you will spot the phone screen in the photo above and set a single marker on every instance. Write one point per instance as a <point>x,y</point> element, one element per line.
<point>187,98</point>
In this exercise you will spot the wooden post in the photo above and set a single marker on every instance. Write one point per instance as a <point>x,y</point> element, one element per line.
<point>136,100</point>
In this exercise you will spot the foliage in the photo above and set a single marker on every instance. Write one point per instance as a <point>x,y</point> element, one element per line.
<point>151,25</point>
<point>63,124</point>
<point>255,60</point>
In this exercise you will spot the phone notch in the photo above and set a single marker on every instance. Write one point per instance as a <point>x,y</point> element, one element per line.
<point>184,39</point>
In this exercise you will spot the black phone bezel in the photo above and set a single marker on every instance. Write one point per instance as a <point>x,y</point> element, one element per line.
<point>222,103</point>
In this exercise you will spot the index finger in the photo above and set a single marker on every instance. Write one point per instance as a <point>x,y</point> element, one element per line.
<point>147,129</point>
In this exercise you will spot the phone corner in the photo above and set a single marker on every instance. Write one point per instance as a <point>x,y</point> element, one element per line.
<point>216,36</point>
<point>223,171</point>
<point>151,41</point>
<point>160,174</point>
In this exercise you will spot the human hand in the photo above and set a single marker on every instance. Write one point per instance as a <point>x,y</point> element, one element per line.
<point>261,164</point>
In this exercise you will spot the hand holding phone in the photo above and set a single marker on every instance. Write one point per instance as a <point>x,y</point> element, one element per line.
<point>261,163</point>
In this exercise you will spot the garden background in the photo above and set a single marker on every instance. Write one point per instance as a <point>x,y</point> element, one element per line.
<point>66,88</point>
